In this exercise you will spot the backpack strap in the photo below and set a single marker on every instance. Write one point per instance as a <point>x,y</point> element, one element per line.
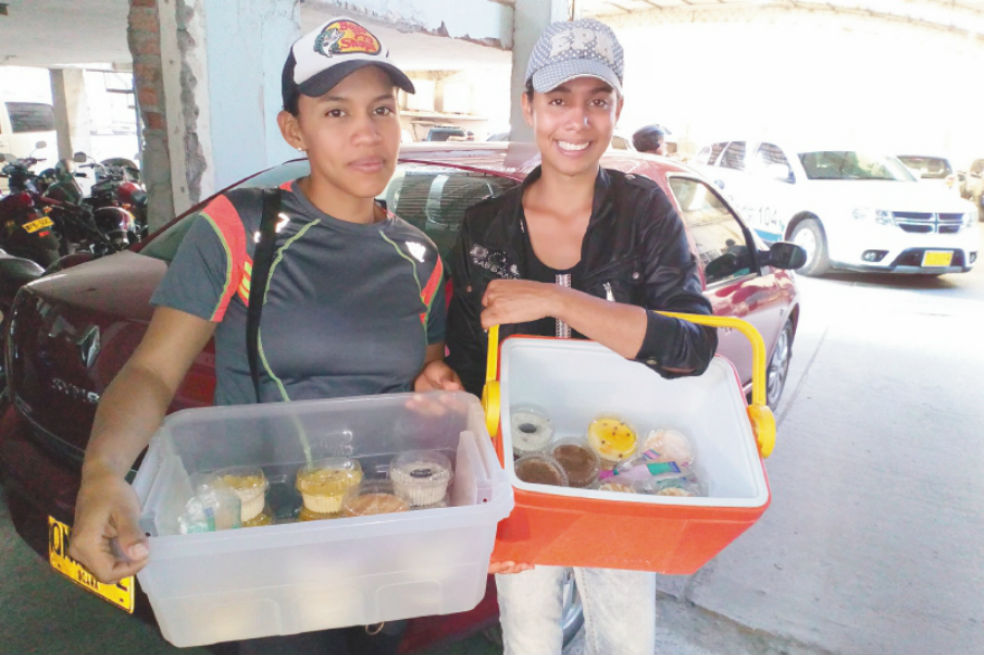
<point>260,276</point>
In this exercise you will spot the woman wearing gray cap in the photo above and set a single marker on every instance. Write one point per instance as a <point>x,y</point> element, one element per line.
<point>353,303</point>
<point>586,252</point>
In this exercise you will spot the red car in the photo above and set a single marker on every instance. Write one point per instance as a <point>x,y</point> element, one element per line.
<point>68,334</point>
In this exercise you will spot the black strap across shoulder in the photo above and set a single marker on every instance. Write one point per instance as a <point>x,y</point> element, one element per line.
<point>262,259</point>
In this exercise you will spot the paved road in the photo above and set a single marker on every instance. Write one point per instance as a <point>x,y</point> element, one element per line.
<point>873,542</point>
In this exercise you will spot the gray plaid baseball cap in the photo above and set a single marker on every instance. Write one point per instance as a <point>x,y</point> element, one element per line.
<point>569,49</point>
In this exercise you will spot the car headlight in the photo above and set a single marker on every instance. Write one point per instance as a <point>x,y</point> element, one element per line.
<point>879,216</point>
<point>970,217</point>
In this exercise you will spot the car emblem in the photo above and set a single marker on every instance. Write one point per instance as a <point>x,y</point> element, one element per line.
<point>88,345</point>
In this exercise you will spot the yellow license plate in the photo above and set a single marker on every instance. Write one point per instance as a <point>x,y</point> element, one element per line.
<point>39,224</point>
<point>120,594</point>
<point>937,258</point>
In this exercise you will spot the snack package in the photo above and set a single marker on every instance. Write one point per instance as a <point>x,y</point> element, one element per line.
<point>373,497</point>
<point>647,472</point>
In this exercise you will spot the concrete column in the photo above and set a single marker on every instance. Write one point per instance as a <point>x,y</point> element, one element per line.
<point>530,17</point>
<point>207,74</point>
<point>71,113</point>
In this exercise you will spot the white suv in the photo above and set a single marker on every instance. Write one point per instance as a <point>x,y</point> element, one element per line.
<point>848,209</point>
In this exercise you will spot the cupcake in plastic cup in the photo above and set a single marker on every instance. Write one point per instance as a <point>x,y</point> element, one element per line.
<point>323,483</point>
<point>580,463</point>
<point>250,484</point>
<point>373,497</point>
<point>531,430</point>
<point>421,477</point>
<point>539,468</point>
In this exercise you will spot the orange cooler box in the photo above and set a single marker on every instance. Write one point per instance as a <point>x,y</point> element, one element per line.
<point>574,382</point>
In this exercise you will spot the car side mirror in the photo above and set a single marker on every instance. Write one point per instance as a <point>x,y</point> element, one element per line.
<point>783,254</point>
<point>79,157</point>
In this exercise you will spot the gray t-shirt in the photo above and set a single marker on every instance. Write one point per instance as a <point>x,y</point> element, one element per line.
<point>350,308</point>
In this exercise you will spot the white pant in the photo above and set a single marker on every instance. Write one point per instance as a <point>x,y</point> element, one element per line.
<point>619,611</point>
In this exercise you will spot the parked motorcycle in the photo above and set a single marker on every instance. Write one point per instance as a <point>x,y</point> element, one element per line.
<point>118,185</point>
<point>25,230</point>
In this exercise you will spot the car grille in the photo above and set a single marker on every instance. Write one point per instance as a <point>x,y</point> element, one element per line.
<point>928,222</point>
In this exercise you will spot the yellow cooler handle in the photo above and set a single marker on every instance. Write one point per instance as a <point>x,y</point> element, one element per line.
<point>761,417</point>
<point>490,392</point>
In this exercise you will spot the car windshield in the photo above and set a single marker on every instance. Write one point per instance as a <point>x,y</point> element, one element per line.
<point>852,165</point>
<point>928,168</point>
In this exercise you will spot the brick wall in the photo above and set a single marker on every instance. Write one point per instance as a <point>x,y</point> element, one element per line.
<point>144,39</point>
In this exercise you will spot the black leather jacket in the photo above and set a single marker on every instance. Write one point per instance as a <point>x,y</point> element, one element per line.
<point>634,251</point>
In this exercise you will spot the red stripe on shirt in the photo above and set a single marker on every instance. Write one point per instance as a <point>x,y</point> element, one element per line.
<point>427,295</point>
<point>231,229</point>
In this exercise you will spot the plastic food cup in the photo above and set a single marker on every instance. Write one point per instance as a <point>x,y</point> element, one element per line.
<point>539,468</point>
<point>324,483</point>
<point>421,477</point>
<point>580,463</point>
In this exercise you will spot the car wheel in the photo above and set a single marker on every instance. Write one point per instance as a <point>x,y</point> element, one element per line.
<point>809,235</point>
<point>778,369</point>
<point>572,615</point>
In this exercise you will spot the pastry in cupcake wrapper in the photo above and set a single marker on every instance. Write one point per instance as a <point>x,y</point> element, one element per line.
<point>323,483</point>
<point>250,484</point>
<point>265,517</point>
<point>618,487</point>
<point>531,430</point>
<point>307,515</point>
<point>612,439</point>
<point>580,463</point>
<point>671,446</point>
<point>444,502</point>
<point>539,468</point>
<point>421,477</point>
<point>373,497</point>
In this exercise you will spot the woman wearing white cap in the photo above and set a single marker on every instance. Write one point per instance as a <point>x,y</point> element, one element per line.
<point>353,303</point>
<point>584,251</point>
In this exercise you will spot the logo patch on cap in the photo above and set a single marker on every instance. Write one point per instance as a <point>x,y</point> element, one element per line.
<point>582,42</point>
<point>345,37</point>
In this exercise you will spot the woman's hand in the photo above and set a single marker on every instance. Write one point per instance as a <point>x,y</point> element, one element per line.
<point>508,567</point>
<point>519,301</point>
<point>437,376</point>
<point>106,536</point>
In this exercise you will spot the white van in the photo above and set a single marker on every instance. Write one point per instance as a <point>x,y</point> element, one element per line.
<point>22,125</point>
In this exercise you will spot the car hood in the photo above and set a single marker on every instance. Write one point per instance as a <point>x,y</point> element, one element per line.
<point>890,195</point>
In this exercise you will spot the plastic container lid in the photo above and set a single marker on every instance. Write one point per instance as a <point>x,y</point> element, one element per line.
<point>323,483</point>
<point>540,468</point>
<point>531,431</point>
<point>421,477</point>
<point>580,463</point>
<point>250,484</point>
<point>373,497</point>
<point>612,438</point>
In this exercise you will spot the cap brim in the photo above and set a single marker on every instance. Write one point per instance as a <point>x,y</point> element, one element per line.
<point>553,75</point>
<point>326,80</point>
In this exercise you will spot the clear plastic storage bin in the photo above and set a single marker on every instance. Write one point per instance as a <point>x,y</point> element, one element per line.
<point>298,576</point>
